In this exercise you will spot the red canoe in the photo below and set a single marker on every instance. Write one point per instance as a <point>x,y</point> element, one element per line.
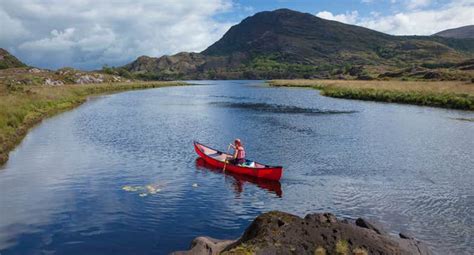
<point>217,158</point>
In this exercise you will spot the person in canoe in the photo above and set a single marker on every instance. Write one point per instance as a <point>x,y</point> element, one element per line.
<point>239,152</point>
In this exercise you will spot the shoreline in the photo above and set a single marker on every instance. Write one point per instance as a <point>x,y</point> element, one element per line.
<point>24,107</point>
<point>450,94</point>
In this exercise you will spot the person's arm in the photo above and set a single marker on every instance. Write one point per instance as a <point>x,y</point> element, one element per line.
<point>235,153</point>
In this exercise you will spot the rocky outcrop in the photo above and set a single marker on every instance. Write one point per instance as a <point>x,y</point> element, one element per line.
<point>87,79</point>
<point>320,233</point>
<point>51,82</point>
<point>206,245</point>
<point>37,76</point>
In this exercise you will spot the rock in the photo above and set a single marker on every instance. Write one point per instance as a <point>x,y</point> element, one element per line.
<point>116,78</point>
<point>405,236</point>
<point>370,225</point>
<point>34,70</point>
<point>66,71</point>
<point>206,245</point>
<point>319,233</point>
<point>51,82</point>
<point>86,79</point>
<point>321,217</point>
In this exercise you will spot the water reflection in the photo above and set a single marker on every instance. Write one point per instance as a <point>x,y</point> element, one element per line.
<point>239,181</point>
<point>278,108</point>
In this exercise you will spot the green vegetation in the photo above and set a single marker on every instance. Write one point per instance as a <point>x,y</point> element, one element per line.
<point>320,251</point>
<point>21,107</point>
<point>360,251</point>
<point>447,100</point>
<point>342,247</point>
<point>272,66</point>
<point>241,249</point>
<point>454,95</point>
<point>8,61</point>
<point>145,76</point>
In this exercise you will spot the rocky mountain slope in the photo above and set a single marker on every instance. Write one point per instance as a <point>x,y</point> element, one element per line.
<point>7,60</point>
<point>290,44</point>
<point>460,32</point>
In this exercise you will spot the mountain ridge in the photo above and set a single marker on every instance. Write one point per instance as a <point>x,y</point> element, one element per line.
<point>7,60</point>
<point>290,44</point>
<point>459,32</point>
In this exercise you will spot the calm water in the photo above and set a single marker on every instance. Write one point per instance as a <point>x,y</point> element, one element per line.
<point>77,183</point>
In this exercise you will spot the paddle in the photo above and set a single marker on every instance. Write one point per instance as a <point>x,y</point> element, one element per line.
<point>225,161</point>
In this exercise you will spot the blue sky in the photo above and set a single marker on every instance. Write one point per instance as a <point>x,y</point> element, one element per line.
<point>245,8</point>
<point>88,34</point>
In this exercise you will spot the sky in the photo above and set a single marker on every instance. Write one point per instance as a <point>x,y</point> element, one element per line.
<point>88,34</point>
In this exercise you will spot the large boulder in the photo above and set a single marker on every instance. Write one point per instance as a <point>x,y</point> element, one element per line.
<point>319,233</point>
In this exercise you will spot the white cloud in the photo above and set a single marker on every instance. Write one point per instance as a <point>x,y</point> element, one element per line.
<point>413,4</point>
<point>348,17</point>
<point>11,29</point>
<point>413,21</point>
<point>88,33</point>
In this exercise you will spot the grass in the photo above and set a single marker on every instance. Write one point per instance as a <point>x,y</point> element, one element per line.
<point>445,94</point>
<point>241,249</point>
<point>360,251</point>
<point>342,247</point>
<point>320,251</point>
<point>21,107</point>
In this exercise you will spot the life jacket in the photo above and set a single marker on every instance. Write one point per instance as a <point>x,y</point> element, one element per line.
<point>240,152</point>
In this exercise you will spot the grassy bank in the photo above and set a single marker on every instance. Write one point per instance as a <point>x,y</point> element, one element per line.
<point>21,107</point>
<point>446,94</point>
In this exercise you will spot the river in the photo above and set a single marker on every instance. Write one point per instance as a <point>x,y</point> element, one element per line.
<point>119,174</point>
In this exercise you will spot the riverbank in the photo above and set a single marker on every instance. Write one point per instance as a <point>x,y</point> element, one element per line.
<point>319,233</point>
<point>444,94</point>
<point>21,107</point>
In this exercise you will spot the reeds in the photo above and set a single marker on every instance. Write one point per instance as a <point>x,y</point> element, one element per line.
<point>446,94</point>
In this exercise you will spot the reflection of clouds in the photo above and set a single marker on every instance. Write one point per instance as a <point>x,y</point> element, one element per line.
<point>38,177</point>
<point>69,185</point>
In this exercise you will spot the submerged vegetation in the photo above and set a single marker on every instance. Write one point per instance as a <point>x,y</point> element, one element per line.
<point>446,94</point>
<point>21,107</point>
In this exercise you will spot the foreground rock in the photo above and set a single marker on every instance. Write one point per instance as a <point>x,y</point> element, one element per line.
<point>282,233</point>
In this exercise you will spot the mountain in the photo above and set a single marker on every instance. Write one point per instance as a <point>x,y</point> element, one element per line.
<point>460,32</point>
<point>290,44</point>
<point>7,60</point>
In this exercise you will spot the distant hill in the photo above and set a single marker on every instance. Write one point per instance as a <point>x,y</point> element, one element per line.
<point>459,33</point>
<point>7,60</point>
<point>290,44</point>
<point>13,72</point>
